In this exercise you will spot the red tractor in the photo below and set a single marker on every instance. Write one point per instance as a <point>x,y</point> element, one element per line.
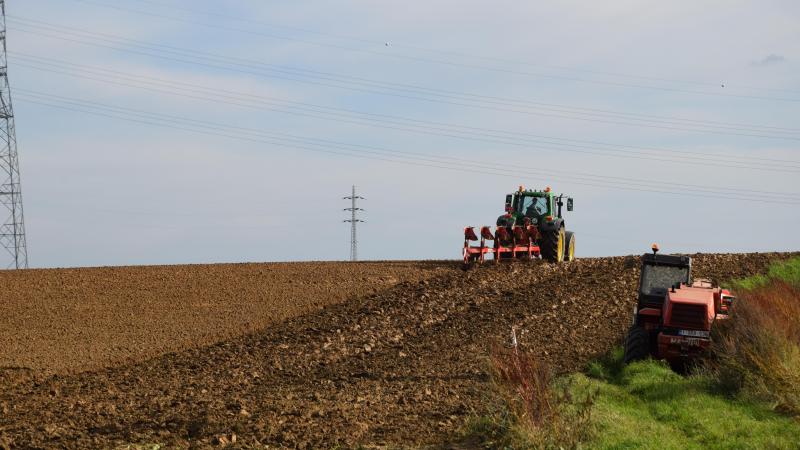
<point>673,316</point>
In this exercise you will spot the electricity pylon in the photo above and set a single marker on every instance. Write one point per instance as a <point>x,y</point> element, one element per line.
<point>353,220</point>
<point>12,227</point>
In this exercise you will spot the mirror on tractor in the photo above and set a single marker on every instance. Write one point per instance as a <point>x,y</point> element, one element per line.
<point>508,200</point>
<point>569,204</point>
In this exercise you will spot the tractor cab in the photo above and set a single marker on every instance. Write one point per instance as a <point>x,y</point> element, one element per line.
<point>530,207</point>
<point>659,274</point>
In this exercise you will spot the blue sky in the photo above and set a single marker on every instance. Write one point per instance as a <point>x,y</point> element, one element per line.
<point>606,102</point>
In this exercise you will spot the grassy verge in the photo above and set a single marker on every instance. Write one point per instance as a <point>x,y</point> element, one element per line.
<point>786,271</point>
<point>644,405</point>
<point>647,405</point>
<point>746,396</point>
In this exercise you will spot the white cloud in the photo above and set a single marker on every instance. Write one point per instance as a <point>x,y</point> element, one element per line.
<point>768,60</point>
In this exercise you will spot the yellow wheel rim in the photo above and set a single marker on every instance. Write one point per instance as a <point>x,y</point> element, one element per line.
<point>561,238</point>
<point>571,249</point>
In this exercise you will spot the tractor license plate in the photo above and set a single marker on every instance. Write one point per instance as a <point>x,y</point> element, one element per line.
<point>694,342</point>
<point>694,333</point>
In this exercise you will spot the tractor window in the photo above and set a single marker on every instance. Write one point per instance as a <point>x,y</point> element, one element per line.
<point>534,206</point>
<point>662,278</point>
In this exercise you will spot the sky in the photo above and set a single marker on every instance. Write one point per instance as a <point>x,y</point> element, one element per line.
<point>164,132</point>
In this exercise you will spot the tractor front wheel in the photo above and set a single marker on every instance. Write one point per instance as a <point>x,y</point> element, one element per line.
<point>637,344</point>
<point>552,245</point>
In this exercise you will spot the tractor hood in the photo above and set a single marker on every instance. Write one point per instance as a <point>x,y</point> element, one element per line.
<point>690,307</point>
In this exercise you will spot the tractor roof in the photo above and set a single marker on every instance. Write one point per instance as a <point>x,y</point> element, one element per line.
<point>531,192</point>
<point>654,259</point>
<point>522,190</point>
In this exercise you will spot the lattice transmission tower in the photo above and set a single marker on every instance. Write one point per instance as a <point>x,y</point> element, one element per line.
<point>353,221</point>
<point>12,230</point>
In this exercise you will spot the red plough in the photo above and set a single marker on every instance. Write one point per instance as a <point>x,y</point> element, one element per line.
<point>473,252</point>
<point>507,243</point>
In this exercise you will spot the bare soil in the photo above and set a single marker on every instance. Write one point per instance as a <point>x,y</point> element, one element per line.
<point>69,320</point>
<point>402,365</point>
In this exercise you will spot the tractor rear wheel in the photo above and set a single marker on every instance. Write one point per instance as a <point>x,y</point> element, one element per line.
<point>552,245</point>
<point>637,344</point>
<point>569,246</point>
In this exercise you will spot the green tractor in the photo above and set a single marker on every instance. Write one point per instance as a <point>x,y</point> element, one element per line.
<point>531,227</point>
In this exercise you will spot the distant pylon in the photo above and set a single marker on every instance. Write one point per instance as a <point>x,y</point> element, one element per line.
<point>353,220</point>
<point>12,227</point>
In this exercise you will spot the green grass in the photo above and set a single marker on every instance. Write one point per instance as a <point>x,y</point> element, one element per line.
<point>646,405</point>
<point>787,271</point>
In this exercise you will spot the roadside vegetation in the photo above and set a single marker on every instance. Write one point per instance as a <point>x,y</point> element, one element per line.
<point>756,354</point>
<point>745,395</point>
<point>531,409</point>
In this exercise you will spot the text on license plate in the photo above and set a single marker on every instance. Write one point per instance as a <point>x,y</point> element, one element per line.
<point>685,341</point>
<point>693,333</point>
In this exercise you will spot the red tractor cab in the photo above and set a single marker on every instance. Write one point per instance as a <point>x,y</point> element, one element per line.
<point>673,315</point>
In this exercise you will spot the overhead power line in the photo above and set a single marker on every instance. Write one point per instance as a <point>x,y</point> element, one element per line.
<point>384,53</point>
<point>401,87</point>
<point>408,158</point>
<point>725,125</point>
<point>400,44</point>
<point>412,92</point>
<point>372,149</point>
<point>524,140</point>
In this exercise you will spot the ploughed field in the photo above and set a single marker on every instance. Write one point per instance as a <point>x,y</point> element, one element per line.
<point>309,355</point>
<point>68,320</point>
